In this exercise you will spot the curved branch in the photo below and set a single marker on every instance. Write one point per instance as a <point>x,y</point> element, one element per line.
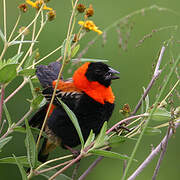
<point>153,154</point>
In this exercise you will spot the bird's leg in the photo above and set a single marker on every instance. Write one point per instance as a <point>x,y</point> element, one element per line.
<point>118,128</point>
<point>73,151</point>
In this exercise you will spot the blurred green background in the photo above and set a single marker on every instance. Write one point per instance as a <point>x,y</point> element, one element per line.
<point>134,64</point>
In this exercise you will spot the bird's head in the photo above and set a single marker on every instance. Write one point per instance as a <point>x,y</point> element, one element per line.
<point>101,73</point>
<point>95,72</point>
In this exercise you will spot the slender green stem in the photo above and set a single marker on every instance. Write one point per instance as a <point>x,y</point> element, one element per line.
<point>59,76</point>
<point>33,35</point>
<point>12,32</point>
<point>4,50</point>
<point>2,101</point>
<point>5,24</point>
<point>28,25</point>
<point>53,160</point>
<point>10,130</point>
<point>20,45</point>
<point>148,119</point>
<point>30,48</point>
<point>16,90</point>
<point>171,91</point>
<point>52,52</point>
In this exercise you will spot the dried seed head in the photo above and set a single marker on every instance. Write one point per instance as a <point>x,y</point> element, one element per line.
<point>51,15</point>
<point>37,55</point>
<point>23,7</point>
<point>89,11</point>
<point>26,32</point>
<point>81,8</point>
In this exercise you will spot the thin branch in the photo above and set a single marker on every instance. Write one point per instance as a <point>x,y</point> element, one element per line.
<point>75,171</point>
<point>10,130</point>
<point>90,168</point>
<point>5,30</point>
<point>157,72</point>
<point>152,154</point>
<point>164,148</point>
<point>53,160</point>
<point>14,92</point>
<point>59,75</point>
<point>51,168</point>
<point>45,57</point>
<point>25,29</point>
<point>2,101</point>
<point>149,117</point>
<point>125,120</point>
<point>66,167</point>
<point>17,22</point>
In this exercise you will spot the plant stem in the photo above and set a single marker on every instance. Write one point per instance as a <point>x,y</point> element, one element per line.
<point>20,45</point>
<point>155,76</point>
<point>32,44</point>
<point>5,24</point>
<point>53,160</point>
<point>2,101</point>
<point>171,90</point>
<point>45,57</point>
<point>10,130</point>
<point>59,76</point>
<point>28,25</point>
<point>66,167</point>
<point>4,50</point>
<point>54,167</point>
<point>149,117</point>
<point>90,168</point>
<point>152,154</point>
<point>125,120</point>
<point>12,32</point>
<point>163,147</point>
<point>15,91</point>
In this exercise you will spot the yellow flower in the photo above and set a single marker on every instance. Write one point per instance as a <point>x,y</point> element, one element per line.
<point>89,25</point>
<point>37,4</point>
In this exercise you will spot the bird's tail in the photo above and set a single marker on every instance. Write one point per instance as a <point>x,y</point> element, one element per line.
<point>47,74</point>
<point>46,148</point>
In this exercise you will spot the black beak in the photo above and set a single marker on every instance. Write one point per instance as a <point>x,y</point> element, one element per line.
<point>111,74</point>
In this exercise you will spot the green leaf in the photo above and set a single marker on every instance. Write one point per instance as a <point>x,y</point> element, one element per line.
<point>90,139</point>
<point>27,72</point>
<point>4,141</point>
<point>23,172</point>
<point>152,131</point>
<point>30,59</point>
<point>35,131</point>
<point>14,59</point>
<point>109,154</point>
<point>75,50</point>
<point>30,146</point>
<point>7,115</point>
<point>116,140</point>
<point>161,114</point>
<point>102,137</point>
<point>37,101</point>
<point>2,36</point>
<point>8,73</point>
<point>68,46</point>
<point>146,100</point>
<point>74,121</point>
<point>90,60</point>
<point>11,160</point>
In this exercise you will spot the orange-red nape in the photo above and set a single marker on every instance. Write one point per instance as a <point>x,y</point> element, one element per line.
<point>66,86</point>
<point>94,89</point>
